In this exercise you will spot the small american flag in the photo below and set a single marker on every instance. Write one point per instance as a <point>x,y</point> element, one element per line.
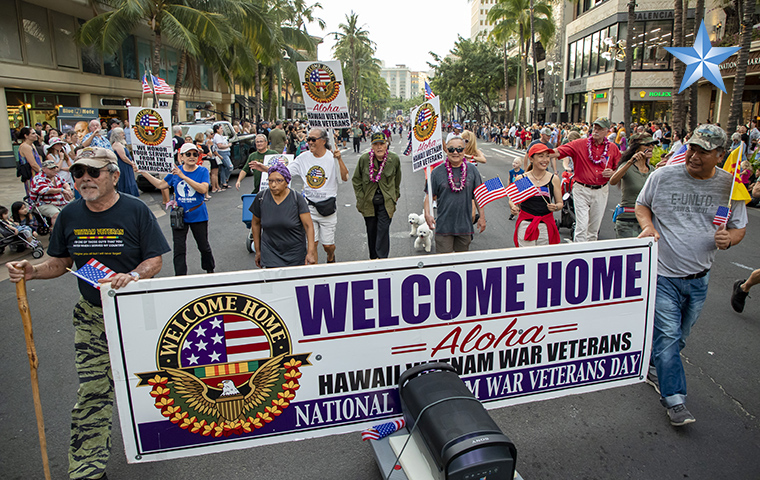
<point>162,88</point>
<point>489,191</point>
<point>428,91</point>
<point>721,216</point>
<point>149,121</point>
<point>521,190</point>
<point>679,157</point>
<point>544,191</point>
<point>319,76</point>
<point>408,150</point>
<point>383,430</point>
<point>224,339</point>
<point>424,115</point>
<point>92,271</point>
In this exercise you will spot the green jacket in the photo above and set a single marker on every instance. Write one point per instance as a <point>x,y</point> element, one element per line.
<point>389,183</point>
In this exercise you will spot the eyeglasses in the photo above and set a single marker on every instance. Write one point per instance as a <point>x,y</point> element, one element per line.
<point>312,139</point>
<point>455,149</point>
<point>191,154</point>
<point>78,171</point>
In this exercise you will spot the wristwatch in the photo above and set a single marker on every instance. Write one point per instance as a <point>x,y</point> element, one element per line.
<point>135,275</point>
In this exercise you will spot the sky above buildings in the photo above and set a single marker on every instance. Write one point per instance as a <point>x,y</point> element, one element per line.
<point>404,30</point>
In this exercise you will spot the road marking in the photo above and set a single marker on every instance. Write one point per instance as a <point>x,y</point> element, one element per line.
<point>743,266</point>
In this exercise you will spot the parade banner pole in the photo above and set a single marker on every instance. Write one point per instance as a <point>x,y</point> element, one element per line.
<point>26,318</point>
<point>430,191</point>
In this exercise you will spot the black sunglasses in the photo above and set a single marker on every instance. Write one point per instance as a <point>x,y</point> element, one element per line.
<point>78,171</point>
<point>456,149</point>
<point>191,154</point>
<point>312,139</point>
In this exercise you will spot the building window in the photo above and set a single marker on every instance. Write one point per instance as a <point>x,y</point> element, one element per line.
<point>571,62</point>
<point>10,43</point>
<point>129,54</point>
<point>659,34</point>
<point>36,35</point>
<point>594,53</point>
<point>66,53</point>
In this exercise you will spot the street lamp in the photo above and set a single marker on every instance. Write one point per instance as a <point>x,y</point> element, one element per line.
<point>616,50</point>
<point>280,113</point>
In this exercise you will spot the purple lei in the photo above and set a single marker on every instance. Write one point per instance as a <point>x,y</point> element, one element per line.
<point>604,158</point>
<point>376,178</point>
<point>462,178</point>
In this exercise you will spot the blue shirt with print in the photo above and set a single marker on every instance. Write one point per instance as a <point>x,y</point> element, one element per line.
<point>186,195</point>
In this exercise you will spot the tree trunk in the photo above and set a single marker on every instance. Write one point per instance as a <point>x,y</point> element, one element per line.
<point>156,60</point>
<point>523,113</point>
<point>257,92</point>
<point>628,68</point>
<point>534,83</point>
<point>271,112</point>
<point>741,67</point>
<point>506,84</point>
<point>693,90</point>
<point>679,67</point>
<point>181,67</point>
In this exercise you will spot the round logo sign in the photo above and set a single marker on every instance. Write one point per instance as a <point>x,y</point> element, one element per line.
<point>225,366</point>
<point>149,127</point>
<point>320,84</point>
<point>316,177</point>
<point>425,122</point>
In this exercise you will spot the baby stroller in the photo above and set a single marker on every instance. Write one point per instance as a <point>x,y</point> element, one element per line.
<point>17,243</point>
<point>567,216</point>
<point>247,217</point>
<point>43,223</point>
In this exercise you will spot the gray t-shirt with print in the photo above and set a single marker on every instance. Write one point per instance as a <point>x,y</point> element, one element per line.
<point>454,208</point>
<point>683,209</point>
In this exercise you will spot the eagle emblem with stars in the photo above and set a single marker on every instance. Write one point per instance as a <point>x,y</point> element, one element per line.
<point>225,366</point>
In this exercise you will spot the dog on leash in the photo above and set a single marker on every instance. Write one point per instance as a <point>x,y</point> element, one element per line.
<point>424,237</point>
<point>415,221</point>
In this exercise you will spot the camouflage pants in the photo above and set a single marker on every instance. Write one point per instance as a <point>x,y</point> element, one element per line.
<point>91,416</point>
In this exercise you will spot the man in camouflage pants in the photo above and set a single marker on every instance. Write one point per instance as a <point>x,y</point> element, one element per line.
<point>133,250</point>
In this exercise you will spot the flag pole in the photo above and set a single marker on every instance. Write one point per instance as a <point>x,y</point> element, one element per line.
<point>430,191</point>
<point>31,351</point>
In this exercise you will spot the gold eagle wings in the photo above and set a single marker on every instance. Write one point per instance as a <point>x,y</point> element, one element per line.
<point>195,392</point>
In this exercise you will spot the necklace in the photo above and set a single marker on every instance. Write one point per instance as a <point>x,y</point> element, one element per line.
<point>603,158</point>
<point>538,180</point>
<point>462,178</point>
<point>372,177</point>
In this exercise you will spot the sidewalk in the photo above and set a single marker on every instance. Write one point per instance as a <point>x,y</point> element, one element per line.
<point>11,188</point>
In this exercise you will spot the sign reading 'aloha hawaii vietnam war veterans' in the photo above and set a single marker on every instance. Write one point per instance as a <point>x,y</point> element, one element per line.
<point>427,143</point>
<point>324,94</point>
<point>209,363</point>
<point>152,139</point>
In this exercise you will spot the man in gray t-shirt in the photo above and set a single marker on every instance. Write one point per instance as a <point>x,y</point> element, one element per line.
<point>677,206</point>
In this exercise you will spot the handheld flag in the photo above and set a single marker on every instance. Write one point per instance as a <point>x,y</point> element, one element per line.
<point>428,91</point>
<point>721,217</point>
<point>162,88</point>
<point>408,150</point>
<point>489,191</point>
<point>521,190</point>
<point>92,271</point>
<point>732,165</point>
<point>383,430</point>
<point>679,157</point>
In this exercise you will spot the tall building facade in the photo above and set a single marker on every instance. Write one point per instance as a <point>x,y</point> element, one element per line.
<point>403,82</point>
<point>479,25</point>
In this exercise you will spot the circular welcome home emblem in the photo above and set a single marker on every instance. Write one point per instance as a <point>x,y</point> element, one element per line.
<point>225,366</point>
<point>316,177</point>
<point>149,127</point>
<point>425,122</point>
<point>320,84</point>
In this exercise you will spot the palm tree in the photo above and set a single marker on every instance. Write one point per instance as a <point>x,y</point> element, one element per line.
<point>741,65</point>
<point>503,33</point>
<point>679,69</point>
<point>352,37</point>
<point>628,66</point>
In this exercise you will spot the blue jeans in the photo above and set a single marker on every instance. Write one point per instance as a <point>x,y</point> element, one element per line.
<point>677,306</point>
<point>225,169</point>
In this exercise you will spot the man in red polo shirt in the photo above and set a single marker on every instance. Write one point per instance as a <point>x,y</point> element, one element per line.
<point>595,159</point>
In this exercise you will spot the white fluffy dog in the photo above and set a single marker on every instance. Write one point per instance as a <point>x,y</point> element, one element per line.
<point>415,221</point>
<point>424,237</point>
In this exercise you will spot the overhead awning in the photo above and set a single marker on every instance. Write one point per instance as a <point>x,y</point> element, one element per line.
<point>242,101</point>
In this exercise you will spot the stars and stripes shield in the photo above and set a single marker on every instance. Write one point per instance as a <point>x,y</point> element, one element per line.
<point>424,115</point>
<point>92,271</point>
<point>149,121</point>
<point>224,339</point>
<point>521,190</point>
<point>319,76</point>
<point>428,91</point>
<point>679,157</point>
<point>721,216</point>
<point>383,430</point>
<point>489,191</point>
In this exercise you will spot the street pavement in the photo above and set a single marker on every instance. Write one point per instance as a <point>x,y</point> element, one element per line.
<point>617,433</point>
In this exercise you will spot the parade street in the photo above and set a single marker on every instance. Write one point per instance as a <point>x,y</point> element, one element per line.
<point>611,434</point>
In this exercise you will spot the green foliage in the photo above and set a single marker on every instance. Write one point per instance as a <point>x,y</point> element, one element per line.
<point>657,154</point>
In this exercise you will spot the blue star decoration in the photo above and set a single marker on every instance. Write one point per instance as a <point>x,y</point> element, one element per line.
<point>702,60</point>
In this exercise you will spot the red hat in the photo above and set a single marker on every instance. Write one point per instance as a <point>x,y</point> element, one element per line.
<point>538,148</point>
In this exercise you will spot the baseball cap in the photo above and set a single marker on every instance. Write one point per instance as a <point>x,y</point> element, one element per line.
<point>643,139</point>
<point>379,137</point>
<point>546,131</point>
<point>457,126</point>
<point>708,137</point>
<point>538,148</point>
<point>603,122</point>
<point>49,164</point>
<point>97,157</point>
<point>187,146</point>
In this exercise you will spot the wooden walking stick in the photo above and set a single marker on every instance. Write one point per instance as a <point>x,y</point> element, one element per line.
<point>26,317</point>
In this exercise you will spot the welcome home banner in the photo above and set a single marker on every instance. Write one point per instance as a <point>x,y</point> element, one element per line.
<point>324,94</point>
<point>210,363</point>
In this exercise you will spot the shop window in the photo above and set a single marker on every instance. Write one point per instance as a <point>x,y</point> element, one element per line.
<point>91,60</point>
<point>170,73</point>
<point>658,36</point>
<point>578,58</point>
<point>594,53</point>
<point>586,55</point>
<point>571,62</point>
<point>66,53</point>
<point>129,55</point>
<point>638,44</point>
<point>112,64</point>
<point>144,56</point>
<point>10,40</point>
<point>36,35</point>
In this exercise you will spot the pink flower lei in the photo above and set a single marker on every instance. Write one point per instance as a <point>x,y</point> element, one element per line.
<point>603,158</point>
<point>376,178</point>
<point>462,178</point>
